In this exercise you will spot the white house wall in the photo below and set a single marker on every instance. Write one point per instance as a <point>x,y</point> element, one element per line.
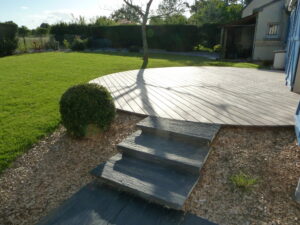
<point>264,47</point>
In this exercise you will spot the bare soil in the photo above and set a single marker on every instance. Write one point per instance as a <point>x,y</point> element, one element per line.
<point>58,166</point>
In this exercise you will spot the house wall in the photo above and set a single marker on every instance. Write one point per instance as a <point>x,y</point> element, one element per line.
<point>264,46</point>
<point>248,11</point>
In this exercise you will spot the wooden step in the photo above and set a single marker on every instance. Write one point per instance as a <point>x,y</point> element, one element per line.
<point>150,181</point>
<point>173,153</point>
<point>191,132</point>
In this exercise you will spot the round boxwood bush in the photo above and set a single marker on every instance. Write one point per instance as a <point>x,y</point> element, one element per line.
<point>86,104</point>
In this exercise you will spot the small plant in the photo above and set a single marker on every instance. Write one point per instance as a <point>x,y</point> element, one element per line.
<point>78,44</point>
<point>67,44</point>
<point>243,181</point>
<point>202,48</point>
<point>86,104</point>
<point>217,48</point>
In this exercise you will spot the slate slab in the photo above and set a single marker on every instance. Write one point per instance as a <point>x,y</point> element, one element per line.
<point>192,132</point>
<point>97,205</point>
<point>176,154</point>
<point>150,181</point>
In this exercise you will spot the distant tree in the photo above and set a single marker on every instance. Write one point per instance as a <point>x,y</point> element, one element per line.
<point>144,15</point>
<point>156,21</point>
<point>41,31</point>
<point>168,8</point>
<point>246,2</point>
<point>173,19</point>
<point>215,12</point>
<point>78,20</point>
<point>23,31</point>
<point>104,21</point>
<point>126,13</point>
<point>176,19</point>
<point>45,25</point>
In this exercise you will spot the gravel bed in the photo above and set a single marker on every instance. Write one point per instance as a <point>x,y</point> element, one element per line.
<point>54,169</point>
<point>268,154</point>
<point>59,166</point>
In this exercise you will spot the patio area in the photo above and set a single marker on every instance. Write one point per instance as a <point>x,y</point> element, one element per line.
<point>222,95</point>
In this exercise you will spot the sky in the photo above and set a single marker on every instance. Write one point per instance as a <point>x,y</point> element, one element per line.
<point>32,13</point>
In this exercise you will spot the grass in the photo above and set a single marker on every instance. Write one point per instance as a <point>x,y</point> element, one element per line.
<point>31,86</point>
<point>243,181</point>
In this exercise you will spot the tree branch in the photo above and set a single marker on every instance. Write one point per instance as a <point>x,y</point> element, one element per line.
<point>135,7</point>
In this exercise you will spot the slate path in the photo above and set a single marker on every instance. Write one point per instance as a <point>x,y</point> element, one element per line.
<point>100,205</point>
<point>162,162</point>
<point>222,95</point>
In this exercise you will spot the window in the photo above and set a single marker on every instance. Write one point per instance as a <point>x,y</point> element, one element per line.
<point>273,30</point>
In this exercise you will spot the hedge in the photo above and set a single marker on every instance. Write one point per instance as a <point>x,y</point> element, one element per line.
<point>168,37</point>
<point>8,38</point>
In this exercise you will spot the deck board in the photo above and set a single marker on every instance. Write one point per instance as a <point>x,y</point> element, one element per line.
<point>222,95</point>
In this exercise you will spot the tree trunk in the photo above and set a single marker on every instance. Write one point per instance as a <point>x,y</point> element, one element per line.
<point>145,43</point>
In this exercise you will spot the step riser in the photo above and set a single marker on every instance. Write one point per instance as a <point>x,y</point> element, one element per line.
<point>179,166</point>
<point>135,192</point>
<point>175,136</point>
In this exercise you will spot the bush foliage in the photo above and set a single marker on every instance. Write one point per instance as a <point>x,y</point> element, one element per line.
<point>217,48</point>
<point>168,37</point>
<point>86,104</point>
<point>8,38</point>
<point>78,44</point>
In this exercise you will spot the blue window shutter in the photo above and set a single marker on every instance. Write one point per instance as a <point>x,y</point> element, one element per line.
<point>293,46</point>
<point>297,123</point>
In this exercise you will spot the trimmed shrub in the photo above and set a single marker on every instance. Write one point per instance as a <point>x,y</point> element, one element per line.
<point>86,104</point>
<point>217,48</point>
<point>8,38</point>
<point>78,44</point>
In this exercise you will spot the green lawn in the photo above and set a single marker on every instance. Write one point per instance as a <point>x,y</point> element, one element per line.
<point>31,86</point>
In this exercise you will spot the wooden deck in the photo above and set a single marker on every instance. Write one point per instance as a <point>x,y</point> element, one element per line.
<point>223,95</point>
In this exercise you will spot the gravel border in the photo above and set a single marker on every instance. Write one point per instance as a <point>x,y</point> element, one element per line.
<point>58,166</point>
<point>270,155</point>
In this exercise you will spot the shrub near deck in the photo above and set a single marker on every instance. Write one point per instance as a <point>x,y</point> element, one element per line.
<point>85,104</point>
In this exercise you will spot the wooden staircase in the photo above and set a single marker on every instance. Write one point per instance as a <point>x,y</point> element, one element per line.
<point>161,162</point>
